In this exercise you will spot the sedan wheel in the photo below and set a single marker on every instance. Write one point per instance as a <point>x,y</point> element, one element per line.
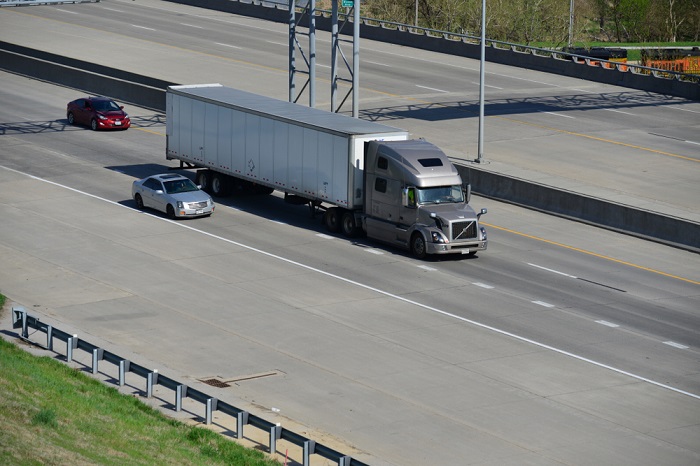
<point>171,212</point>
<point>139,201</point>
<point>71,118</point>
<point>93,125</point>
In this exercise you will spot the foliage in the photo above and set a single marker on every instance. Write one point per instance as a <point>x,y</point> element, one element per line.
<point>528,21</point>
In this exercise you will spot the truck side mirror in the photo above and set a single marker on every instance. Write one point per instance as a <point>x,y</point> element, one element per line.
<point>467,190</point>
<point>483,211</point>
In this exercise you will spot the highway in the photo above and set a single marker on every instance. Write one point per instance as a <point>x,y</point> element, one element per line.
<point>591,333</point>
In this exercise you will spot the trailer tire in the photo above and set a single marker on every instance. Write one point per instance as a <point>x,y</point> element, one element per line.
<point>203,179</point>
<point>219,184</point>
<point>348,224</point>
<point>418,248</point>
<point>332,219</point>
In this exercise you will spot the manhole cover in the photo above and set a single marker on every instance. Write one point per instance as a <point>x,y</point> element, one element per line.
<point>216,383</point>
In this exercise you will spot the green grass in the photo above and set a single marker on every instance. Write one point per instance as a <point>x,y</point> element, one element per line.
<point>51,413</point>
<point>633,54</point>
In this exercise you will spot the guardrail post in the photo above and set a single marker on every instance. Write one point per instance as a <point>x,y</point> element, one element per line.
<point>309,447</point>
<point>123,369</point>
<point>49,337</point>
<point>275,434</point>
<point>345,460</point>
<point>151,379</point>
<point>241,420</point>
<point>71,344</point>
<point>97,355</point>
<point>211,407</point>
<point>180,392</point>
<point>19,319</point>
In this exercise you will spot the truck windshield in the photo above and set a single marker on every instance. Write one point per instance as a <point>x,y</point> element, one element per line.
<point>440,195</point>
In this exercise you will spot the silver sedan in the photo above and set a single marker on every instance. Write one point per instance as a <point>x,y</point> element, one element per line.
<point>173,194</point>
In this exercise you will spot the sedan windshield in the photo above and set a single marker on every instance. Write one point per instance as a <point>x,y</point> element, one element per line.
<point>105,106</point>
<point>179,186</point>
<point>440,194</point>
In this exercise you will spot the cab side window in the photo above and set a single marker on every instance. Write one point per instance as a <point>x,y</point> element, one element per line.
<point>380,185</point>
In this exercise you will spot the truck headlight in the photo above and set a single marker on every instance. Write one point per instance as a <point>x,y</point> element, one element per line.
<point>438,238</point>
<point>483,233</point>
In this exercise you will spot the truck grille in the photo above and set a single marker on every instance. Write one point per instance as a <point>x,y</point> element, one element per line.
<point>462,231</point>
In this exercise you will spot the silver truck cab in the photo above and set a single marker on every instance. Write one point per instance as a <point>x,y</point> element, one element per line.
<point>415,199</point>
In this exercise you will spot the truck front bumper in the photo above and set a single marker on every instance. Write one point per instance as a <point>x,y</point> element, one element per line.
<point>457,248</point>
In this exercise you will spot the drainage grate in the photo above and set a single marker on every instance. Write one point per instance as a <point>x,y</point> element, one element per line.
<point>216,383</point>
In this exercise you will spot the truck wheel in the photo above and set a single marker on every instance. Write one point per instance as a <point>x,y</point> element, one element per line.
<point>418,248</point>
<point>219,184</point>
<point>348,224</point>
<point>332,219</point>
<point>203,179</point>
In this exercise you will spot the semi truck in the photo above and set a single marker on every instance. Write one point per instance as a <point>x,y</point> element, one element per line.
<point>367,178</point>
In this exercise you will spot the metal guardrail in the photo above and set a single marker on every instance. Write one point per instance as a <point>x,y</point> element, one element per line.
<point>20,319</point>
<point>41,2</point>
<point>476,40</point>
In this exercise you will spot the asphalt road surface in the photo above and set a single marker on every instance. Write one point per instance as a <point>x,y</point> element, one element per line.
<point>561,344</point>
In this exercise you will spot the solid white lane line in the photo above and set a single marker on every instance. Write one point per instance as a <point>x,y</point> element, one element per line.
<point>377,290</point>
<point>191,26</point>
<point>324,236</point>
<point>483,285</point>
<point>675,345</point>
<point>606,323</point>
<point>142,27</point>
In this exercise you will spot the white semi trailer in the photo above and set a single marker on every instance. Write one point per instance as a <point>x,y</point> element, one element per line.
<point>368,178</point>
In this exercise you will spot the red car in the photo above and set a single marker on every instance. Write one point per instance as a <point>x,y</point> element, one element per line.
<point>97,113</point>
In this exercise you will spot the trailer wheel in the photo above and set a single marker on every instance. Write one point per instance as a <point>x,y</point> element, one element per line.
<point>219,184</point>
<point>348,224</point>
<point>203,180</point>
<point>332,219</point>
<point>418,248</point>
